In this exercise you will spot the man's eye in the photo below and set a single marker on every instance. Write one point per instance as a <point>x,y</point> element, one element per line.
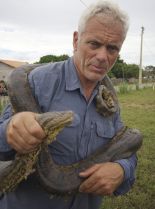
<point>112,49</point>
<point>94,44</point>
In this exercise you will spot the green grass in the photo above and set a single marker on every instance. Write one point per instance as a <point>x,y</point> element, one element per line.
<point>138,111</point>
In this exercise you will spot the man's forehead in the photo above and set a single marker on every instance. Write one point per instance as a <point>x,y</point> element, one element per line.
<point>100,29</point>
<point>105,21</point>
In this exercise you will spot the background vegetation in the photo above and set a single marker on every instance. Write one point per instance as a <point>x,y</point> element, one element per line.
<point>53,58</point>
<point>120,70</point>
<point>138,110</point>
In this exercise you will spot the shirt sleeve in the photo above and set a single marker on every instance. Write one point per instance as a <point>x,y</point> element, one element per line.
<point>5,150</point>
<point>129,165</point>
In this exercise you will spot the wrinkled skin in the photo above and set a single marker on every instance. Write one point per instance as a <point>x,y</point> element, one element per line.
<point>96,50</point>
<point>101,179</point>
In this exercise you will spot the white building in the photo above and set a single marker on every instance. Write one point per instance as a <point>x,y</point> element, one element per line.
<point>6,66</point>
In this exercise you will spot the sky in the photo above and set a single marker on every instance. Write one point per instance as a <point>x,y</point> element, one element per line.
<point>34,28</point>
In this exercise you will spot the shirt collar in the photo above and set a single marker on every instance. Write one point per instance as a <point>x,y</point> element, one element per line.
<point>71,76</point>
<point>72,80</point>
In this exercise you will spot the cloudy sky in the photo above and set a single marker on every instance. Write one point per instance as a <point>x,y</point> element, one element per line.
<point>30,29</point>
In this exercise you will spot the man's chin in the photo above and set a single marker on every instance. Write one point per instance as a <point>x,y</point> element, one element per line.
<point>95,79</point>
<point>97,76</point>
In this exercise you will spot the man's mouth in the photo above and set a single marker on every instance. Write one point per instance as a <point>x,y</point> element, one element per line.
<point>97,69</point>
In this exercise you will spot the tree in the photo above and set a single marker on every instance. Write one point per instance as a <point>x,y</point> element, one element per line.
<point>150,68</point>
<point>123,70</point>
<point>149,71</point>
<point>118,69</point>
<point>53,58</point>
<point>132,71</point>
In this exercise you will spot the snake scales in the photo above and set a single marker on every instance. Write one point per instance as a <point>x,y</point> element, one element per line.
<point>59,179</point>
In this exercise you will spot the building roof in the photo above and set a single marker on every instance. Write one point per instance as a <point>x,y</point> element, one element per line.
<point>13,63</point>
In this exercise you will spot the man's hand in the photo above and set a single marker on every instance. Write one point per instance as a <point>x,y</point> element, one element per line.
<point>24,133</point>
<point>102,179</point>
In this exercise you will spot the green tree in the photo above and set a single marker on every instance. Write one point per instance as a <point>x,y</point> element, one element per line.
<point>123,70</point>
<point>118,70</point>
<point>132,71</point>
<point>53,58</point>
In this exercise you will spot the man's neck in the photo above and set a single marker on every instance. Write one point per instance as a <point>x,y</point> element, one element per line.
<point>88,88</point>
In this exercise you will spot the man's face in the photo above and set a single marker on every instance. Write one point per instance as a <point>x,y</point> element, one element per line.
<point>96,49</point>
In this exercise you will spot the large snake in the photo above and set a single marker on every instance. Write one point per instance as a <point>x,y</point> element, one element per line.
<point>59,179</point>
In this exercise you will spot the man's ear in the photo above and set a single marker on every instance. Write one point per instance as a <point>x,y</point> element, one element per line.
<point>75,40</point>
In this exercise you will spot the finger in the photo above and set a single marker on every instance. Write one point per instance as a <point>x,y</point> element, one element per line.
<point>88,184</point>
<point>89,171</point>
<point>17,147</point>
<point>31,131</point>
<point>34,129</point>
<point>20,139</point>
<point>94,181</point>
<point>94,188</point>
<point>97,189</point>
<point>19,144</point>
<point>28,140</point>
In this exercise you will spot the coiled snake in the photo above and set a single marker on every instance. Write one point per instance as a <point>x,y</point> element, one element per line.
<point>59,179</point>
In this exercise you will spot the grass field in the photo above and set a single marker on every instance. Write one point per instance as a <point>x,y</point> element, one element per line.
<point>138,111</point>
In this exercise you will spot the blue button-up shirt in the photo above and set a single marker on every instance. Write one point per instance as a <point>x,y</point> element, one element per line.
<point>56,87</point>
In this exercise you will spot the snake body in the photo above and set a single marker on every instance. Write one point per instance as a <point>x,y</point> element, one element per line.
<point>59,179</point>
<point>24,164</point>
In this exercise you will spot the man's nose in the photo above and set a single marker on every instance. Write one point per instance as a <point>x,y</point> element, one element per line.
<point>102,54</point>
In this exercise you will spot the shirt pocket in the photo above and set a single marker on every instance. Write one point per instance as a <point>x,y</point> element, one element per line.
<point>101,134</point>
<point>105,130</point>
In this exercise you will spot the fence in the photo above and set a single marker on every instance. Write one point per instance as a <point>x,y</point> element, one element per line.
<point>131,87</point>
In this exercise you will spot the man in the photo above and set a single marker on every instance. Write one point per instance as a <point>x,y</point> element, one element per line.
<point>73,85</point>
<point>3,88</point>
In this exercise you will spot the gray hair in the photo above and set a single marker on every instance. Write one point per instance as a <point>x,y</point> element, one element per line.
<point>104,9</point>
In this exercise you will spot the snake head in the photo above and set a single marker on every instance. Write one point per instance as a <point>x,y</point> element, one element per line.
<point>53,122</point>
